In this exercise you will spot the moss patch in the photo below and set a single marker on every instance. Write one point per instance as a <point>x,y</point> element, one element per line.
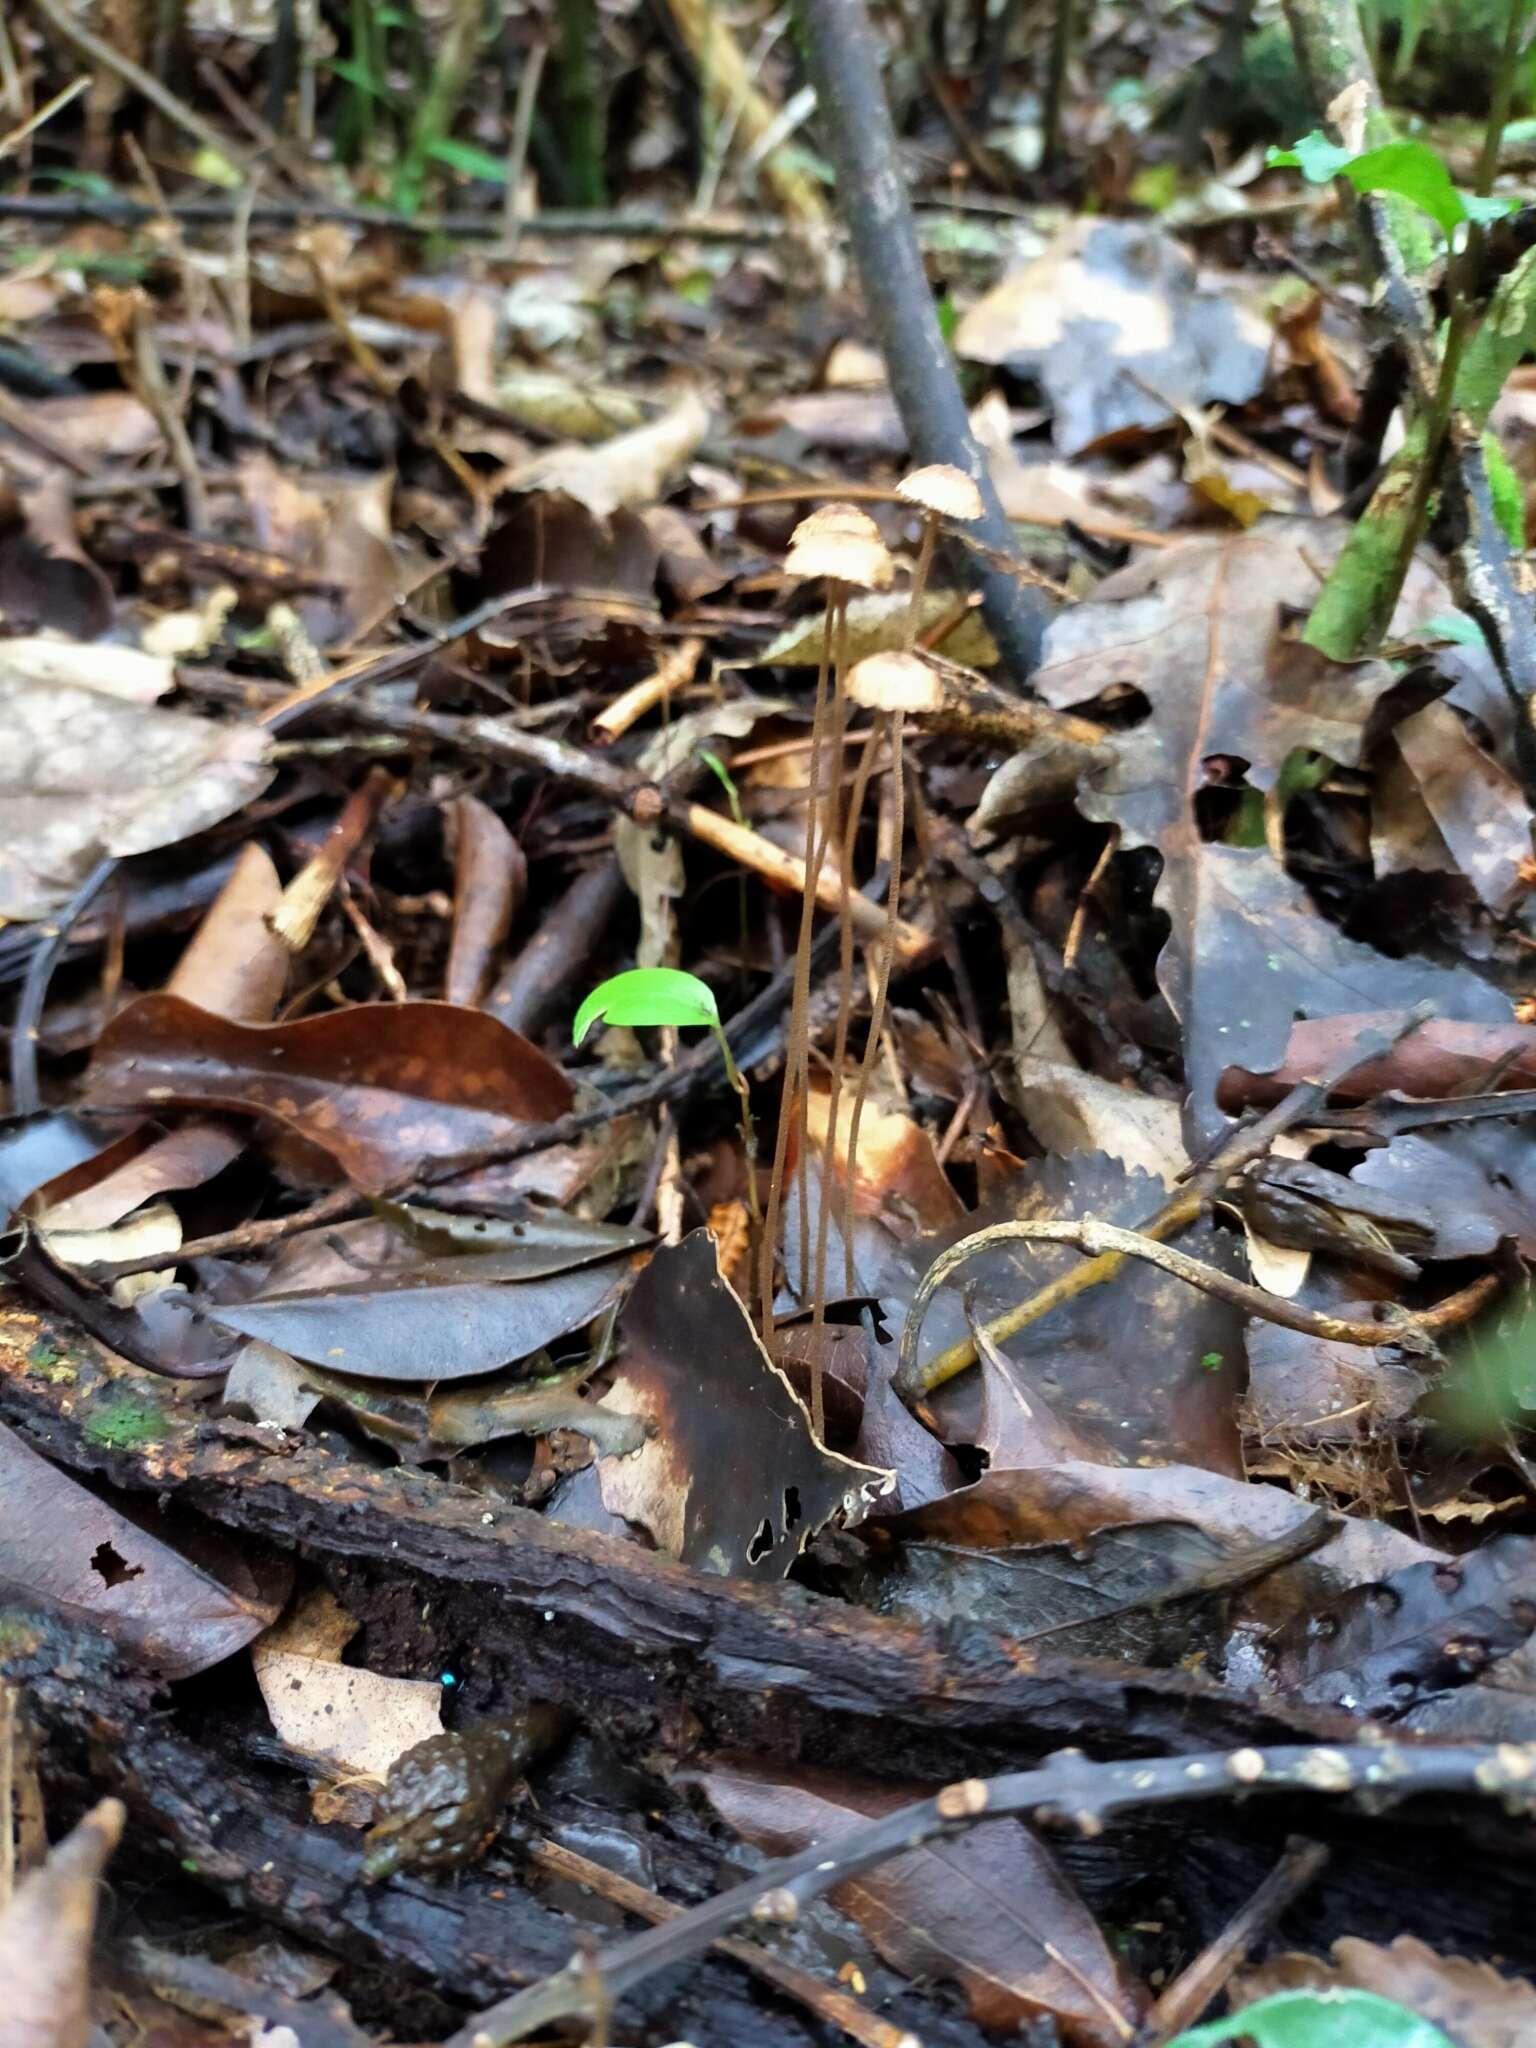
<point>125,1421</point>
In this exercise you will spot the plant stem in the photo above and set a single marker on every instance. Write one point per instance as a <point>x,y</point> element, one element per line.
<point>737,1079</point>
<point>856,125</point>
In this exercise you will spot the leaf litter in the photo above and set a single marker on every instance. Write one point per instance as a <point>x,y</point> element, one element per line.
<point>322,1233</point>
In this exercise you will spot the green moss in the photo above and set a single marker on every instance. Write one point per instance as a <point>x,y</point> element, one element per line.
<point>125,1421</point>
<point>44,1363</point>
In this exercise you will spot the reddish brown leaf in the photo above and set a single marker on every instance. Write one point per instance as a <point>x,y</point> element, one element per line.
<point>1443,1057</point>
<point>66,1550</point>
<point>380,1087</point>
<point>235,965</point>
<point>991,1910</point>
<point>490,879</point>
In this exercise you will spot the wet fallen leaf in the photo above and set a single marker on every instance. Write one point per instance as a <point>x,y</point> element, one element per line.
<point>625,473</point>
<point>379,1087</point>
<point>991,1911</point>
<point>1383,1647</point>
<point>1125,1363</point>
<point>363,1299</point>
<point>63,1548</point>
<point>234,964</point>
<point>731,1479</point>
<point>1474,800</point>
<point>490,880</point>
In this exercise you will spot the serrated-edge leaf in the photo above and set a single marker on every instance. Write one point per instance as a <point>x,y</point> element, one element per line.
<point>648,995</point>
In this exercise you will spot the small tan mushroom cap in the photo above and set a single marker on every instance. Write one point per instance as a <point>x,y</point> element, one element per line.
<point>943,489</point>
<point>894,682</point>
<point>842,542</point>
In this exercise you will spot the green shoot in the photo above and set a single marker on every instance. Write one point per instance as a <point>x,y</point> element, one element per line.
<point>1319,2019</point>
<point>668,996</point>
<point>1407,170</point>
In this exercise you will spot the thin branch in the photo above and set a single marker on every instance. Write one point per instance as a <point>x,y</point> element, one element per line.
<point>1246,1143</point>
<point>144,83</point>
<point>1067,1791</point>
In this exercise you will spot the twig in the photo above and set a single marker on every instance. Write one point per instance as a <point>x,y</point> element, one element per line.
<point>845,65</point>
<point>147,86</point>
<point>1182,2003</point>
<point>1245,1144</point>
<point>1101,1239</point>
<point>838,2008</point>
<point>1067,1791</point>
<point>672,672</point>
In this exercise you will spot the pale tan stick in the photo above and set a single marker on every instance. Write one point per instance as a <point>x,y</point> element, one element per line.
<point>740,843</point>
<point>631,705</point>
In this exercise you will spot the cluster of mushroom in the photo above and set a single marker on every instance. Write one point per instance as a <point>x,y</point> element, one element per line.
<point>841,546</point>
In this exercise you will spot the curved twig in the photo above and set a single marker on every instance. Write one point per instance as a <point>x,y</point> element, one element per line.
<point>1067,1790</point>
<point>1100,1240</point>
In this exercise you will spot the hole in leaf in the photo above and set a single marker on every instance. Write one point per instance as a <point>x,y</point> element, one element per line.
<point>761,1543</point>
<point>113,1567</point>
<point>791,1509</point>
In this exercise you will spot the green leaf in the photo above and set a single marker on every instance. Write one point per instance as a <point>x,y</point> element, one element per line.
<point>1460,628</point>
<point>648,995</point>
<point>1408,170</point>
<point>1319,2019</point>
<point>463,156</point>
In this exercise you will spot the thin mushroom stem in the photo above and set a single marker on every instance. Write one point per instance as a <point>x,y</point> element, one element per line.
<point>794,1054</point>
<point>1087,1234</point>
<point>846,842</point>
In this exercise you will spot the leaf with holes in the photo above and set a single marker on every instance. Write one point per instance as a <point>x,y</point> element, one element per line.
<point>66,1550</point>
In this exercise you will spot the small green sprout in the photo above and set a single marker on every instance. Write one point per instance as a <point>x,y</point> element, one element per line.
<point>1211,1361</point>
<point>1334,2018</point>
<point>1407,170</point>
<point>668,996</point>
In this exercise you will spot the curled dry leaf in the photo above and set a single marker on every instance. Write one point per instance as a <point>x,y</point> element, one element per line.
<point>490,880</point>
<point>68,1551</point>
<point>46,1933</point>
<point>991,1911</point>
<point>731,1479</point>
<point>379,1087</point>
<point>625,473</point>
<point>234,964</point>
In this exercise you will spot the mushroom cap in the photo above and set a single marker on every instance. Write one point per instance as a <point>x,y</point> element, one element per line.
<point>893,682</point>
<point>943,489</point>
<point>842,542</point>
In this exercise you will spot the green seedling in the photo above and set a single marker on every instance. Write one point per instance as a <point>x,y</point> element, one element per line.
<point>1407,170</point>
<point>1319,2019</point>
<point>668,996</point>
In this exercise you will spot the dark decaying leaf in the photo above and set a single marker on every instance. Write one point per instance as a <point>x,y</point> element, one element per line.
<point>1201,631</point>
<point>1127,1366</point>
<point>364,1299</point>
<point>1482,1178</point>
<point>1124,1592</point>
<point>991,1911</point>
<point>1476,2004</point>
<point>46,1932</point>
<point>380,1087</point>
<point>1307,1390</point>
<point>1382,1648</point>
<point>731,1479</point>
<point>66,1550</point>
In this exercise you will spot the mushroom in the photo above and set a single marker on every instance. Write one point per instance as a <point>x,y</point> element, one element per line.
<point>841,544</point>
<point>940,491</point>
